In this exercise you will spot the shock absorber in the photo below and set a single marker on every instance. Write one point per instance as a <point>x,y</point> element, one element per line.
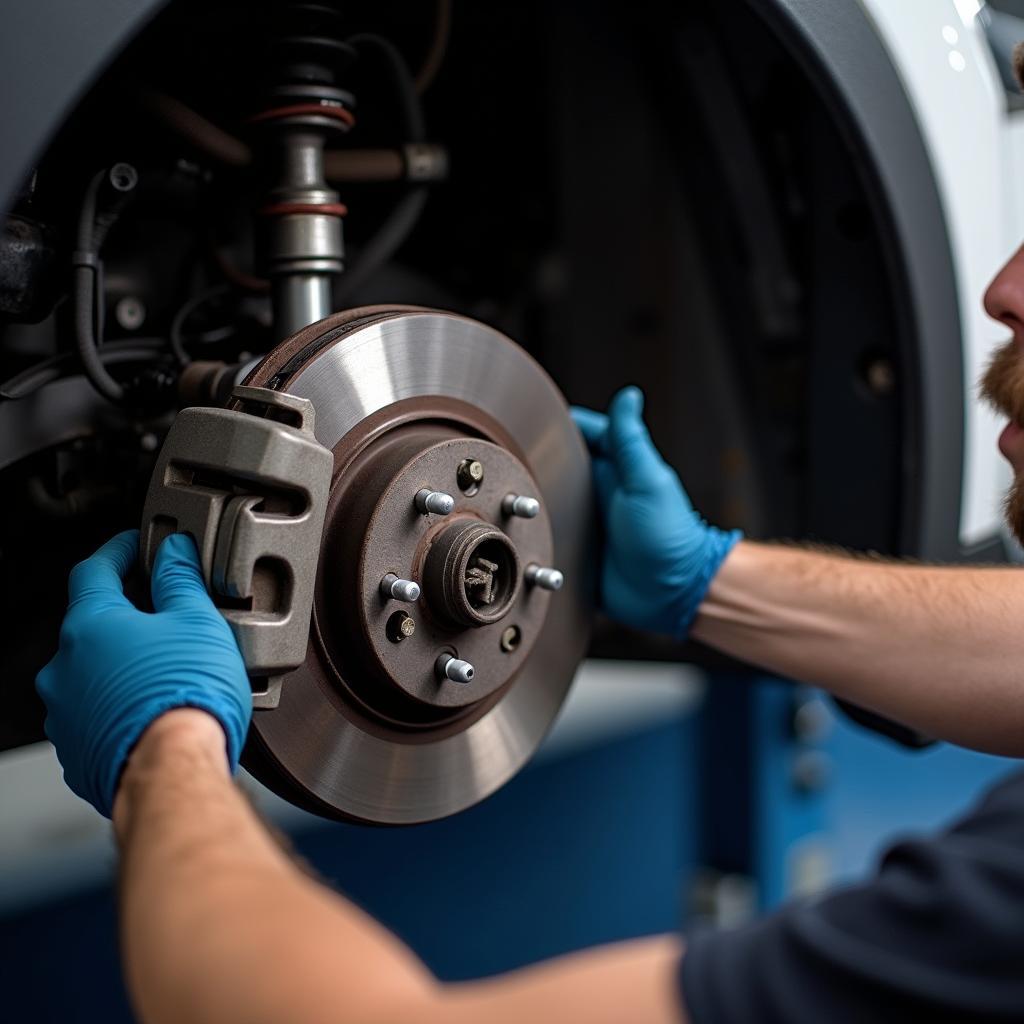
<point>299,234</point>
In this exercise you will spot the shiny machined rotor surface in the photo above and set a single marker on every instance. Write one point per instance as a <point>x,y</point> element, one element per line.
<point>373,371</point>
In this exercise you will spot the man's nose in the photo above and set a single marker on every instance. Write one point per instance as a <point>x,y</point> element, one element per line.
<point>1004,299</point>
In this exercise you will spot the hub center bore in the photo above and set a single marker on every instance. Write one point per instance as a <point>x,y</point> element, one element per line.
<point>472,574</point>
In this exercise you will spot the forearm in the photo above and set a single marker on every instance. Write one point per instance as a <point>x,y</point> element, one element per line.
<point>937,648</point>
<point>218,924</point>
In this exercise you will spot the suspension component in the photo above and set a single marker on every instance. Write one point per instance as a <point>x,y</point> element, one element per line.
<point>302,243</point>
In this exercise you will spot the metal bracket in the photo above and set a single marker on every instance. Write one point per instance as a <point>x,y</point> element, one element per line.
<point>251,490</point>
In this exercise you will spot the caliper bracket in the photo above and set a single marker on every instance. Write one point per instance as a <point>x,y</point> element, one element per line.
<point>250,487</point>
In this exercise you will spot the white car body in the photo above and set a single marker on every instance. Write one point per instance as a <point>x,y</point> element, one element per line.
<point>977,148</point>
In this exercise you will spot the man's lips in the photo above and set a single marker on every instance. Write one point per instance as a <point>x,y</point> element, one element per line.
<point>1011,444</point>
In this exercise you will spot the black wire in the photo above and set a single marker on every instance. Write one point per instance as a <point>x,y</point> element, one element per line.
<point>400,222</point>
<point>87,213</point>
<point>438,47</point>
<point>405,86</point>
<point>29,381</point>
<point>387,240</point>
<point>176,336</point>
<point>85,289</point>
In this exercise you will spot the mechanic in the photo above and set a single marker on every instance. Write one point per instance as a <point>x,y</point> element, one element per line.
<point>149,711</point>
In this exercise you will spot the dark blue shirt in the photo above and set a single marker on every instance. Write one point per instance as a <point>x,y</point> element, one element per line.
<point>937,935</point>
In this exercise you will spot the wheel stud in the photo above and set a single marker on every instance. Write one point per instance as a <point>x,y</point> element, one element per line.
<point>454,669</point>
<point>393,586</point>
<point>543,577</point>
<point>438,502</point>
<point>520,505</point>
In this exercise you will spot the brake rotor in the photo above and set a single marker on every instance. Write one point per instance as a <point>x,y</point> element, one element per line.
<point>369,728</point>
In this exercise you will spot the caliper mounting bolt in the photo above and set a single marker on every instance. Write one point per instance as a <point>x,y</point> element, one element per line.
<point>454,669</point>
<point>470,475</point>
<point>520,505</point>
<point>438,502</point>
<point>400,627</point>
<point>543,577</point>
<point>393,586</point>
<point>510,638</point>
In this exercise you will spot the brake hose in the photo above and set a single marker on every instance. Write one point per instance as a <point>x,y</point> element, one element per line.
<point>87,276</point>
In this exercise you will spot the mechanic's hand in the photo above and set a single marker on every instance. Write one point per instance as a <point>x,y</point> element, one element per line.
<point>660,556</point>
<point>118,668</point>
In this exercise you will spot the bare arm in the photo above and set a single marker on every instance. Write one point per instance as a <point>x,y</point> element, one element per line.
<point>220,926</point>
<point>937,648</point>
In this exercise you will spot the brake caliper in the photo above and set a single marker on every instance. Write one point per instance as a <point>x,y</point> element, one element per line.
<point>250,487</point>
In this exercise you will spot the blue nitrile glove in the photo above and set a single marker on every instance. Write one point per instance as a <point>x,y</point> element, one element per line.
<point>119,668</point>
<point>659,556</point>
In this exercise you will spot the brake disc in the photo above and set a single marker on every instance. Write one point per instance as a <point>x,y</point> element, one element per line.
<point>369,727</point>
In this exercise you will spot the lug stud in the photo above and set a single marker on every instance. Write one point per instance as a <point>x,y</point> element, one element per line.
<point>520,505</point>
<point>393,586</point>
<point>454,669</point>
<point>438,502</point>
<point>543,577</point>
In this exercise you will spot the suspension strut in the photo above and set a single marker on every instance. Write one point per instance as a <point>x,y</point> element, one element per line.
<point>299,230</point>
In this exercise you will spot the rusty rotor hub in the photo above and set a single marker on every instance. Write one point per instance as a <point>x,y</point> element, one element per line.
<point>469,565</point>
<point>414,402</point>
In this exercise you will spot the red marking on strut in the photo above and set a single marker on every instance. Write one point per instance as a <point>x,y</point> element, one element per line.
<point>284,209</point>
<point>299,109</point>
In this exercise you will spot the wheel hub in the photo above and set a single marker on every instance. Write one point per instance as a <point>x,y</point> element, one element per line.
<point>469,564</point>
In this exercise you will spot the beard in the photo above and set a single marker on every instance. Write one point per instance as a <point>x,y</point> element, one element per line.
<point>1003,388</point>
